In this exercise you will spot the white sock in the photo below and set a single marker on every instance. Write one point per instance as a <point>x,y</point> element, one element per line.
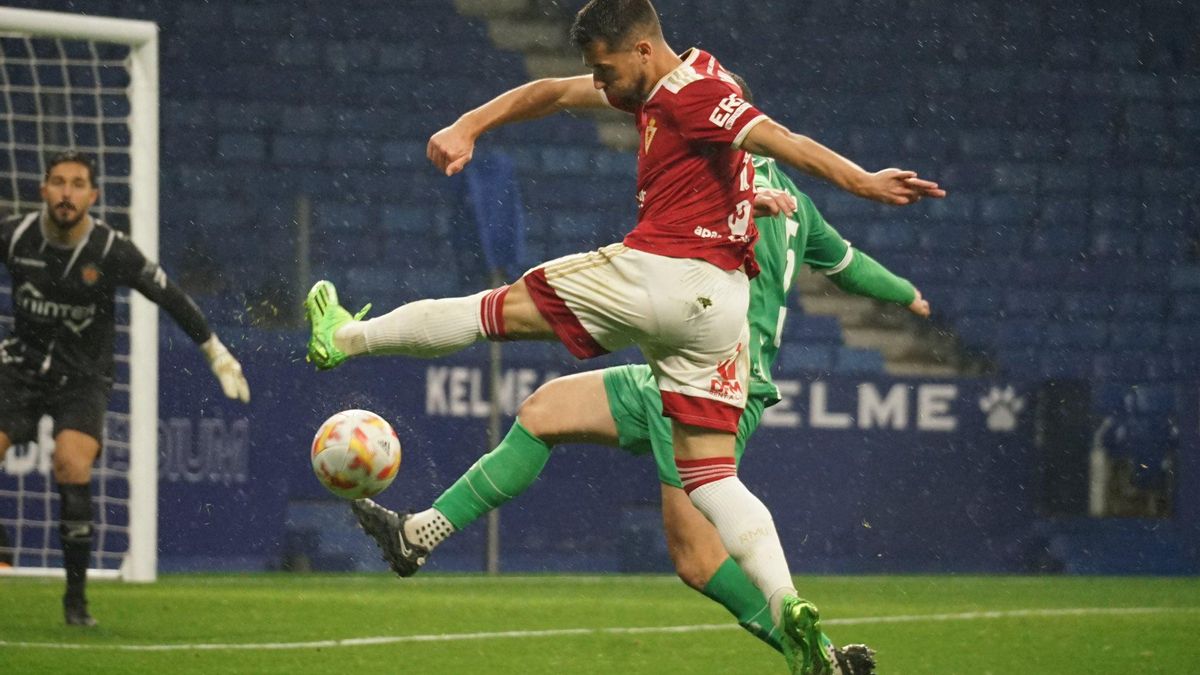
<point>748,532</point>
<point>425,328</point>
<point>428,528</point>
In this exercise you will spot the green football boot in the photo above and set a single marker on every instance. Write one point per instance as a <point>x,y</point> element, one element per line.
<point>807,650</point>
<point>326,316</point>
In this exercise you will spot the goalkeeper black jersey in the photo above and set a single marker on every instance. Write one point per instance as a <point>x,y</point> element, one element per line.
<point>64,299</point>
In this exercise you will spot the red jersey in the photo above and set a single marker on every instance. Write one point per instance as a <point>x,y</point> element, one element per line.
<point>695,185</point>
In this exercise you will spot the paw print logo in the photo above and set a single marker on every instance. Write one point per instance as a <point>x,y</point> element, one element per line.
<point>1002,407</point>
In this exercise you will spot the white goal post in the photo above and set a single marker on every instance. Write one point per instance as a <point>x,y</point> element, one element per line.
<point>141,38</point>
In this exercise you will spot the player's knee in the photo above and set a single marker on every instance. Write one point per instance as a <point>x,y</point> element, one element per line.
<point>71,468</point>
<point>537,413</point>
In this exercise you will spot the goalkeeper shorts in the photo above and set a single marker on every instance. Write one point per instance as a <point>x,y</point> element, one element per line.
<point>77,403</point>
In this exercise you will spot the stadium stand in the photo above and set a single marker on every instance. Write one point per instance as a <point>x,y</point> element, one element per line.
<point>1063,133</point>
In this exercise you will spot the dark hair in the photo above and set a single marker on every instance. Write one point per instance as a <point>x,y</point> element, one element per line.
<point>616,22</point>
<point>747,96</point>
<point>73,156</point>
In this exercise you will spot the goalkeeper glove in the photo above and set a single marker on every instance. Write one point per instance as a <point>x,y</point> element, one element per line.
<point>227,369</point>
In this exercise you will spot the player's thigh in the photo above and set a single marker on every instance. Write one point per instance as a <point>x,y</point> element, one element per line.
<point>5,444</point>
<point>570,409</point>
<point>521,316</point>
<point>74,454</point>
<point>596,302</point>
<point>692,541</point>
<point>78,410</point>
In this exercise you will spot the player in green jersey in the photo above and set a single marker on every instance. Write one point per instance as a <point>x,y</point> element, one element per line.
<point>622,406</point>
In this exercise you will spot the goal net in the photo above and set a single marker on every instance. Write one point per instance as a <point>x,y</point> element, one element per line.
<point>89,84</point>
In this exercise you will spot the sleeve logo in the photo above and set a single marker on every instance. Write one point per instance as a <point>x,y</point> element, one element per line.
<point>728,111</point>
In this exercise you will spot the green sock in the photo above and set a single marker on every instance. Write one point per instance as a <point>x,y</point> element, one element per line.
<point>731,587</point>
<point>497,477</point>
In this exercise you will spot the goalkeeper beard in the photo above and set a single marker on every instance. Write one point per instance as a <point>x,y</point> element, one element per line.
<point>424,329</point>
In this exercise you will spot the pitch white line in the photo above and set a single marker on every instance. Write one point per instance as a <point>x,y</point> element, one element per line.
<point>561,632</point>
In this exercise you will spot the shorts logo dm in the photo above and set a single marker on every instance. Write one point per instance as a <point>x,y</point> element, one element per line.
<point>726,385</point>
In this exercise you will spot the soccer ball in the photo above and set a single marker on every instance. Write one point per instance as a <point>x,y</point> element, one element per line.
<point>356,454</point>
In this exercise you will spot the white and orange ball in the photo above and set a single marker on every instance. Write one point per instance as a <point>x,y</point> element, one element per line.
<point>356,454</point>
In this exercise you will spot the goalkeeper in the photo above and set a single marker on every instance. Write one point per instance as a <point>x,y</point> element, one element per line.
<point>622,406</point>
<point>66,267</point>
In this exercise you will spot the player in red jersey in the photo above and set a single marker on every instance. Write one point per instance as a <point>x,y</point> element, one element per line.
<point>677,286</point>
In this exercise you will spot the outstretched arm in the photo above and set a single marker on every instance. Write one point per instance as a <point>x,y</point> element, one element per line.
<point>865,276</point>
<point>451,148</point>
<point>890,186</point>
<point>153,283</point>
<point>132,269</point>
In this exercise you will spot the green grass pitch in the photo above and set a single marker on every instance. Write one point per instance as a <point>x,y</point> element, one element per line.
<point>278,623</point>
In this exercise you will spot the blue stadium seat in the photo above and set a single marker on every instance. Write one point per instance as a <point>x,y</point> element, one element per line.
<point>350,152</point>
<point>1113,243</point>
<point>1089,335</point>
<point>1185,306</point>
<point>1013,177</point>
<point>1131,366</point>
<point>241,147</point>
<point>855,360</point>
<point>1115,211</point>
<point>994,270</point>
<point>1006,209</point>
<point>1151,306</point>
<point>1018,333</point>
<point>1001,239</point>
<point>408,219</point>
<point>1030,303</point>
<point>953,237</point>
<point>1151,399</point>
<point>806,359</point>
<point>1183,337</point>
<point>340,216</point>
<point>1065,179</point>
<point>1061,364</point>
<point>1035,146</point>
<point>1135,334</point>
<point>1185,278</point>
<point>810,329</point>
<point>1185,363</point>
<point>972,301</point>
<point>1078,305</point>
<point>976,332</point>
<point>296,150</point>
<point>888,236</point>
<point>1063,213</point>
<point>586,228</point>
<point>1058,241</point>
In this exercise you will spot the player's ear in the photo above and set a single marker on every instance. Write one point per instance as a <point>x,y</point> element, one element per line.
<point>644,50</point>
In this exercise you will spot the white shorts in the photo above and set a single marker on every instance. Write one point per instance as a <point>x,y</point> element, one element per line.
<point>688,317</point>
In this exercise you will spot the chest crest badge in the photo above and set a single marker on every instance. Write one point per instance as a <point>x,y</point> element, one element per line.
<point>90,274</point>
<point>651,129</point>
